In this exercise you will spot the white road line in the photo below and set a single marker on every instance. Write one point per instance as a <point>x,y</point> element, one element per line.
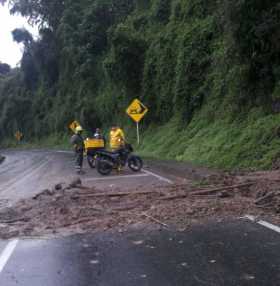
<point>145,171</point>
<point>116,177</point>
<point>269,225</point>
<point>28,175</point>
<point>263,223</point>
<point>7,252</point>
<point>158,177</point>
<point>66,152</point>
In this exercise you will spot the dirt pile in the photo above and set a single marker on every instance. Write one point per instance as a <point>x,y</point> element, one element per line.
<point>73,208</point>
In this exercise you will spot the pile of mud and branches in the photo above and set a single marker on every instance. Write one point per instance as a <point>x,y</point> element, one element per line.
<point>73,208</point>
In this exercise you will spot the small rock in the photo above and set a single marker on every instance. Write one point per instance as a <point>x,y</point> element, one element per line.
<point>224,194</point>
<point>138,242</point>
<point>190,212</point>
<point>76,182</point>
<point>58,187</point>
<point>248,277</point>
<point>45,192</point>
<point>150,246</point>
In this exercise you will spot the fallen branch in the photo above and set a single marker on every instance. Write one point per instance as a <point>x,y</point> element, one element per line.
<point>24,219</point>
<point>269,195</point>
<point>155,220</point>
<point>210,191</point>
<point>268,206</point>
<point>116,194</point>
<point>167,198</point>
<point>125,208</point>
<point>84,220</point>
<point>81,187</point>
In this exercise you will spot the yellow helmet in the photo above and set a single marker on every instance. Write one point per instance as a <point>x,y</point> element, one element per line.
<point>78,129</point>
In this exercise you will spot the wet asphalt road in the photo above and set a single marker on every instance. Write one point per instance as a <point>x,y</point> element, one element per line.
<point>227,254</point>
<point>26,173</point>
<point>231,254</point>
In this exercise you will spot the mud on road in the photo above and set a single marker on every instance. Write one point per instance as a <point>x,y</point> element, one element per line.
<point>72,208</point>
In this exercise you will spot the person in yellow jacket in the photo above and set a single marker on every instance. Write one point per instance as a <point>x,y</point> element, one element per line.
<point>117,138</point>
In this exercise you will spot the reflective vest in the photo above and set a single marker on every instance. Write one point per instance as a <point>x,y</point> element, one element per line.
<point>116,138</point>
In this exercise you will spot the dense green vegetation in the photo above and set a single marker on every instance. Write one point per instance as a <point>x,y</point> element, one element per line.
<point>208,70</point>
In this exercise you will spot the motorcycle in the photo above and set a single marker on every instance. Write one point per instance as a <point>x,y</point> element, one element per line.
<point>106,161</point>
<point>92,147</point>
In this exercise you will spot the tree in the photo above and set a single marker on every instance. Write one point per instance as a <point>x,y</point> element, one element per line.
<point>4,68</point>
<point>39,12</point>
<point>22,36</point>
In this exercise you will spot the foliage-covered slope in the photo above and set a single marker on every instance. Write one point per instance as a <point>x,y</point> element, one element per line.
<point>208,70</point>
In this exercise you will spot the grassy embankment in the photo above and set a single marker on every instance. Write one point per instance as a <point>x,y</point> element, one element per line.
<point>250,144</point>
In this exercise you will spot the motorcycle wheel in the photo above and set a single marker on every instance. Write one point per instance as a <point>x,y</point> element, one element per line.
<point>135,163</point>
<point>104,167</point>
<point>91,161</point>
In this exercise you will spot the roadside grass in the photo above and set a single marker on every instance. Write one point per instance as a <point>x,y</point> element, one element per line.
<point>56,141</point>
<point>251,144</point>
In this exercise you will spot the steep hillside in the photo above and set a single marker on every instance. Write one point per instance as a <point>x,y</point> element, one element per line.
<point>209,71</point>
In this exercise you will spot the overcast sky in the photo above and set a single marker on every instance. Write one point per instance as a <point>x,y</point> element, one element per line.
<point>10,51</point>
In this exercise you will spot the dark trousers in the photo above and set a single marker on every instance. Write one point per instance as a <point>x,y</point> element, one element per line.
<point>79,158</point>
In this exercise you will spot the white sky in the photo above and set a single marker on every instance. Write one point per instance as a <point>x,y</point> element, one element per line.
<point>10,51</point>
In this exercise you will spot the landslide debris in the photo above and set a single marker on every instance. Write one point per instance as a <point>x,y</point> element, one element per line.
<point>74,208</point>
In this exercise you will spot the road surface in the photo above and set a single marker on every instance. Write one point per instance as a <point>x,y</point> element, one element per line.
<point>229,253</point>
<point>236,253</point>
<point>26,173</point>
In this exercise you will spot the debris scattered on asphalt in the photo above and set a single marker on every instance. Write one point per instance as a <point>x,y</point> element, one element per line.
<point>73,208</point>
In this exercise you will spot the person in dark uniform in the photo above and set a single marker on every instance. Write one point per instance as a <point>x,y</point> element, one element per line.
<point>98,135</point>
<point>77,141</point>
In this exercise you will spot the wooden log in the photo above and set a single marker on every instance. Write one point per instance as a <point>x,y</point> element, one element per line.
<point>215,190</point>
<point>116,194</point>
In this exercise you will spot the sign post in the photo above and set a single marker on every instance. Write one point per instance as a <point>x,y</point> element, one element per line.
<point>136,111</point>
<point>138,135</point>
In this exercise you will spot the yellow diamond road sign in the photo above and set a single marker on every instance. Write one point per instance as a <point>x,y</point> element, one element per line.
<point>136,110</point>
<point>18,135</point>
<point>74,125</point>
